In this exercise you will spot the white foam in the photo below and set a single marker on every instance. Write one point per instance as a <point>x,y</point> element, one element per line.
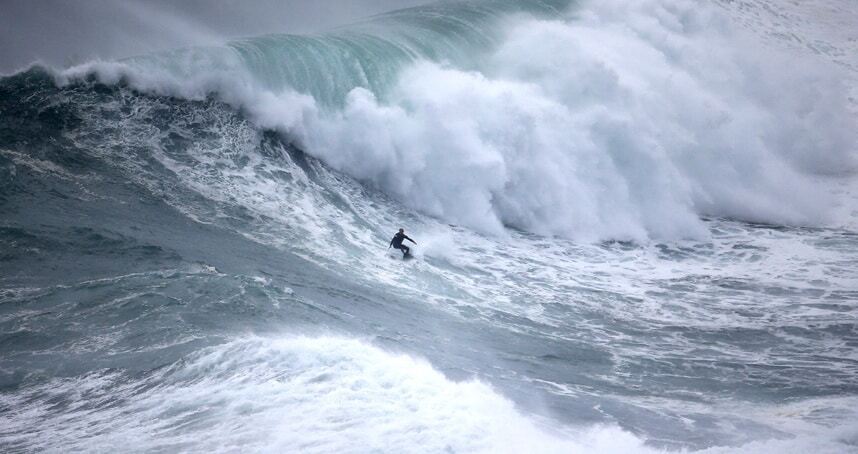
<point>299,394</point>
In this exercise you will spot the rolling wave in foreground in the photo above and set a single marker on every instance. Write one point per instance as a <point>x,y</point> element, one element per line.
<point>636,227</point>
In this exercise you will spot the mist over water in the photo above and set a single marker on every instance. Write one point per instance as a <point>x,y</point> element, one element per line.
<point>635,227</point>
<point>63,34</point>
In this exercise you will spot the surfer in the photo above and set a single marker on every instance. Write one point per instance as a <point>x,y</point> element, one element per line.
<point>396,242</point>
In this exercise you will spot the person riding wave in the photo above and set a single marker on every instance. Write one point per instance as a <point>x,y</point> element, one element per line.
<point>396,242</point>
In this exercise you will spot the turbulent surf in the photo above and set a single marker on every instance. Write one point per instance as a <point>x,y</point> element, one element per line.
<point>636,224</point>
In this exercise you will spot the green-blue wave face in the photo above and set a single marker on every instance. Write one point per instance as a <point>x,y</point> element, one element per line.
<point>371,53</point>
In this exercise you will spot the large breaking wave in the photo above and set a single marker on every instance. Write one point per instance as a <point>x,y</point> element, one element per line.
<point>615,119</point>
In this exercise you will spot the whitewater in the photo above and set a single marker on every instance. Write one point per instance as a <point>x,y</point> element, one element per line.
<point>637,227</point>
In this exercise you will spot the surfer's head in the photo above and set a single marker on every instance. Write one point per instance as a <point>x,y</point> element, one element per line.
<point>401,230</point>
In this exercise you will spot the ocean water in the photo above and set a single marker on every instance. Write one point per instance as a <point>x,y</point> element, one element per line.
<point>636,227</point>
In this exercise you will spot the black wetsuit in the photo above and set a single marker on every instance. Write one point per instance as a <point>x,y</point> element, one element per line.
<point>396,242</point>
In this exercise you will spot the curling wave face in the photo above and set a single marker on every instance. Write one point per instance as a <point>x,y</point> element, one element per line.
<point>614,120</point>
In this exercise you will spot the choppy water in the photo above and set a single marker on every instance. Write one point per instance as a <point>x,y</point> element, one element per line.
<point>199,273</point>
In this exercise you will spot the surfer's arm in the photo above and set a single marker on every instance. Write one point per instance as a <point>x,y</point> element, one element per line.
<point>409,239</point>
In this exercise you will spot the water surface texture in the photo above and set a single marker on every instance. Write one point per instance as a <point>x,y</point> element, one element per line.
<point>636,224</point>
